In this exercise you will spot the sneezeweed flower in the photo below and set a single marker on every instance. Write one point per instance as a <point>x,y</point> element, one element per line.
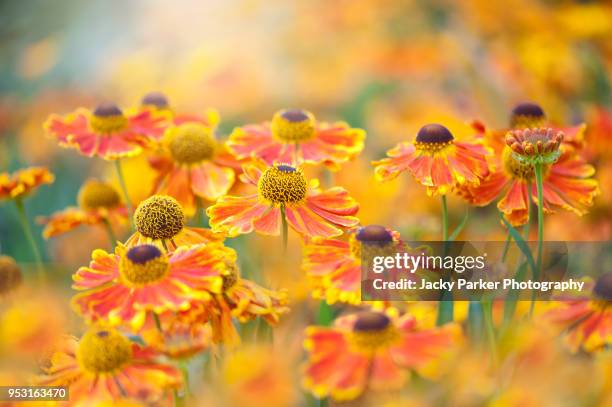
<point>121,288</point>
<point>195,168</point>
<point>283,191</point>
<point>586,320</point>
<point>99,204</point>
<point>104,364</point>
<point>244,300</point>
<point>160,220</point>
<point>295,136</point>
<point>177,338</point>
<point>18,186</point>
<point>334,265</point>
<point>106,131</point>
<point>23,182</point>
<point>436,160</point>
<point>567,184</point>
<point>10,275</point>
<point>372,351</point>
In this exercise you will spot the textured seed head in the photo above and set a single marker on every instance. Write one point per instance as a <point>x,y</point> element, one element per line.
<point>103,351</point>
<point>155,99</point>
<point>527,115</point>
<point>108,119</point>
<point>191,143</point>
<point>283,184</point>
<point>159,217</point>
<point>144,264</point>
<point>536,145</point>
<point>97,194</point>
<point>433,137</point>
<point>293,125</point>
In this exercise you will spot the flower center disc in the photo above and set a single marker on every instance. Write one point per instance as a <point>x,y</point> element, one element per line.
<point>108,119</point>
<point>293,125</point>
<point>103,351</point>
<point>603,287</point>
<point>231,278</point>
<point>527,115</point>
<point>372,331</point>
<point>191,143</point>
<point>371,241</point>
<point>283,184</point>
<point>433,138</point>
<point>144,264</point>
<point>155,99</point>
<point>95,194</point>
<point>159,217</point>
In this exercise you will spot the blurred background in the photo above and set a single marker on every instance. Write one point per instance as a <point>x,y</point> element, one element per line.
<point>387,66</point>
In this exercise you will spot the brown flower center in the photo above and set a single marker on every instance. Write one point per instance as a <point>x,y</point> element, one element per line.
<point>432,138</point>
<point>108,119</point>
<point>103,351</point>
<point>283,184</point>
<point>95,194</point>
<point>293,125</point>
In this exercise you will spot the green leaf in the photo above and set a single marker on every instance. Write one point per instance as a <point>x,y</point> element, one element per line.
<point>460,226</point>
<point>522,246</point>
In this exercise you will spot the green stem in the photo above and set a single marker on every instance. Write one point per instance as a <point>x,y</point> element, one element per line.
<point>539,186</point>
<point>444,219</point>
<point>487,306</point>
<point>111,234</point>
<point>506,247</point>
<point>285,228</point>
<point>27,230</point>
<point>445,305</point>
<point>126,195</point>
<point>157,322</point>
<point>526,227</point>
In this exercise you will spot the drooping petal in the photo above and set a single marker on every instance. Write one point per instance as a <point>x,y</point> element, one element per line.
<point>211,181</point>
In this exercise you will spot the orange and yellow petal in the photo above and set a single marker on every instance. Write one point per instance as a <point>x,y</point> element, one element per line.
<point>211,181</point>
<point>23,182</point>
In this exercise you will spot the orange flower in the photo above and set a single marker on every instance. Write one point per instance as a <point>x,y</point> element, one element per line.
<point>244,300</point>
<point>334,265</point>
<point>104,364</point>
<point>369,350</point>
<point>106,132</point>
<point>176,337</point>
<point>437,160</point>
<point>587,320</point>
<point>294,136</point>
<point>567,183</point>
<point>309,210</point>
<point>194,166</point>
<point>123,287</point>
<point>23,182</point>
<point>99,204</point>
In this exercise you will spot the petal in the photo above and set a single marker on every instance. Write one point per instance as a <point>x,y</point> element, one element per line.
<point>236,215</point>
<point>211,181</point>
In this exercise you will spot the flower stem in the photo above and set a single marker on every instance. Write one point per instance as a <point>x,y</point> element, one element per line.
<point>445,305</point>
<point>487,306</point>
<point>126,195</point>
<point>539,187</point>
<point>27,230</point>
<point>285,228</point>
<point>444,219</point>
<point>110,232</point>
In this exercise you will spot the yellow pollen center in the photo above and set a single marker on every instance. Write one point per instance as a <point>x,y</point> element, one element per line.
<point>293,125</point>
<point>526,122</point>
<point>95,194</point>
<point>231,278</point>
<point>372,340</point>
<point>191,143</point>
<point>159,217</point>
<point>432,147</point>
<point>103,351</point>
<point>139,273</point>
<point>283,185</point>
<point>108,125</point>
